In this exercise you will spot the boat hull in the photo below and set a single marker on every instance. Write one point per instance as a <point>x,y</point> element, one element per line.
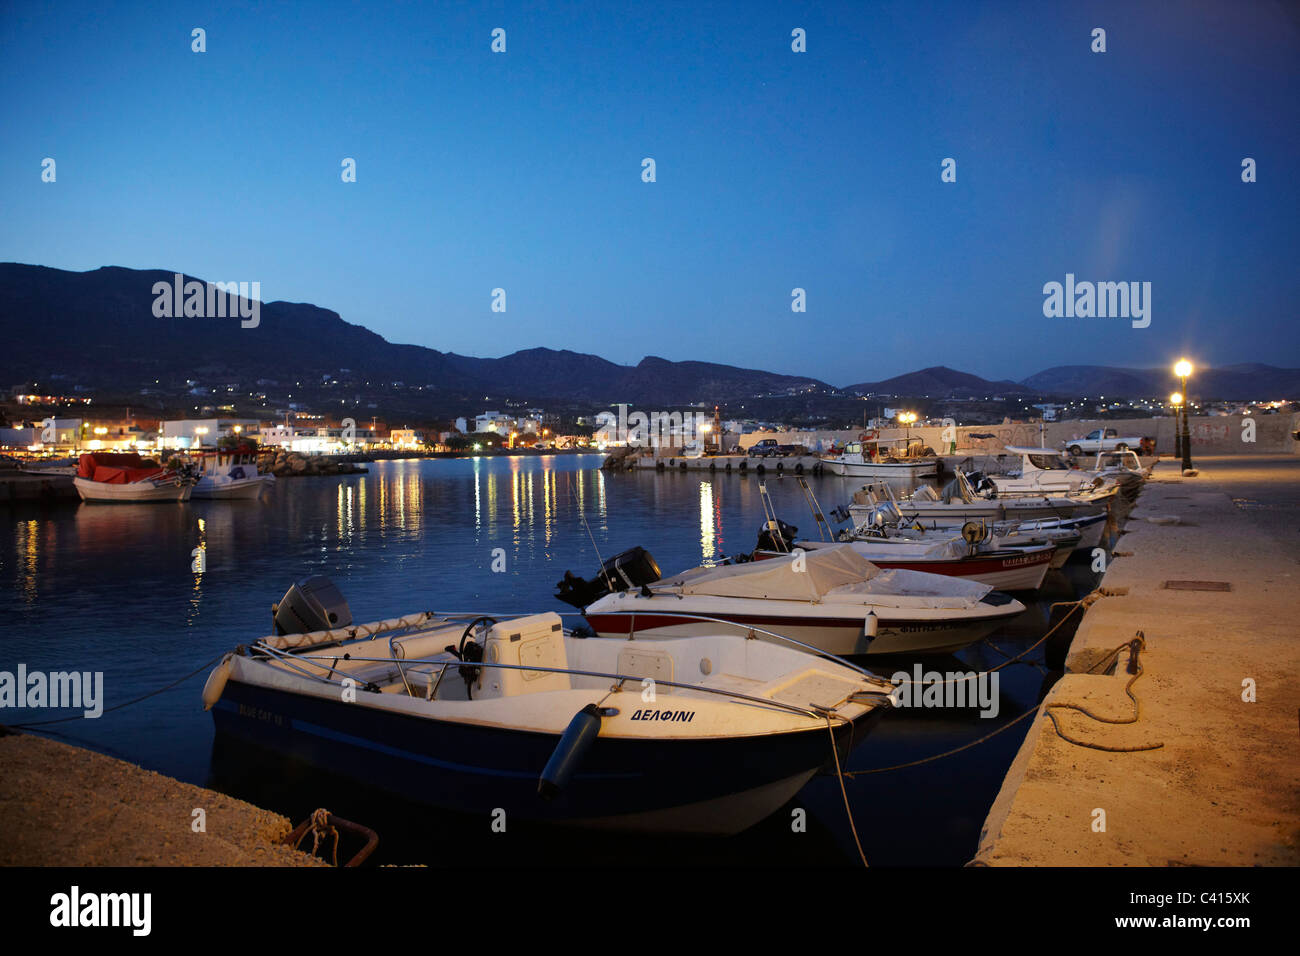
<point>240,488</point>
<point>843,636</point>
<point>1004,572</point>
<point>137,492</point>
<point>876,469</point>
<point>717,785</point>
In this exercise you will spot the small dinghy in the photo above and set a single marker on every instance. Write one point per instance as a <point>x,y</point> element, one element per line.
<point>704,735</point>
<point>830,598</point>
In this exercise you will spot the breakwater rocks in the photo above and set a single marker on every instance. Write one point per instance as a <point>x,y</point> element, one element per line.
<point>290,464</point>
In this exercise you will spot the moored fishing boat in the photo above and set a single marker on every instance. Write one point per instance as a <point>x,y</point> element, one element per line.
<point>126,478</point>
<point>229,474</point>
<point>479,714</point>
<point>871,457</point>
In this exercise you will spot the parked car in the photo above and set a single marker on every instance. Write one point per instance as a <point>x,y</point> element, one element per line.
<point>767,448</point>
<point>1103,439</point>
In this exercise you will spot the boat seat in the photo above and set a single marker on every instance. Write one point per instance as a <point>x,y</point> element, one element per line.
<point>537,641</point>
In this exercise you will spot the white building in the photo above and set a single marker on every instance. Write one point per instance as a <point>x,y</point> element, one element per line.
<point>204,432</point>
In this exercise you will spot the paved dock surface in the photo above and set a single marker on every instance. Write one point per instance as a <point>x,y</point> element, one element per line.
<point>1224,789</point>
<point>65,806</point>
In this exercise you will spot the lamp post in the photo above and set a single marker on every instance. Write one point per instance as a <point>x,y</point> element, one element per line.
<point>907,418</point>
<point>1183,369</point>
<point>1176,400</point>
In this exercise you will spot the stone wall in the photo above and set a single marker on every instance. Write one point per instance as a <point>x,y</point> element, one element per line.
<point>1212,435</point>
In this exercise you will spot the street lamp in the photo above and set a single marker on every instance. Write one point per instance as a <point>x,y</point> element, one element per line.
<point>1176,400</point>
<point>1183,369</point>
<point>907,418</point>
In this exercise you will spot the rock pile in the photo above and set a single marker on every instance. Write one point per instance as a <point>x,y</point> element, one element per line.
<point>291,463</point>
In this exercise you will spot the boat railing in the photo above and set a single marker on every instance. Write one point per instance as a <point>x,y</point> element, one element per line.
<point>292,661</point>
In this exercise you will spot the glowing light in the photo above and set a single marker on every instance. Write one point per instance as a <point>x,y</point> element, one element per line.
<point>1183,368</point>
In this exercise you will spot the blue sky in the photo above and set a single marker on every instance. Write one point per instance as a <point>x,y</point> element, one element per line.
<point>775,170</point>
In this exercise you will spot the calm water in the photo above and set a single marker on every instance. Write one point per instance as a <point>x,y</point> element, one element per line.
<point>110,588</point>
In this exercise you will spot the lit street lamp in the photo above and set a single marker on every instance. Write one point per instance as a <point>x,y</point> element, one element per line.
<point>1176,400</point>
<point>907,418</point>
<point>1183,369</point>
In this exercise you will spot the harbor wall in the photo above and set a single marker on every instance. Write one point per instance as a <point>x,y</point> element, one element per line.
<point>1211,434</point>
<point>1204,770</point>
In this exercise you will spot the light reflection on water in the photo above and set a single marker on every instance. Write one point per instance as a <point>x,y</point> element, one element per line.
<point>111,588</point>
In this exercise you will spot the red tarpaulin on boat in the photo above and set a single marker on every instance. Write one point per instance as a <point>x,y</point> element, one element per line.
<point>115,468</point>
<point>123,476</point>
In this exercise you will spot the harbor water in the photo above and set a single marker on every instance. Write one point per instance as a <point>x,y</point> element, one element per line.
<point>148,593</point>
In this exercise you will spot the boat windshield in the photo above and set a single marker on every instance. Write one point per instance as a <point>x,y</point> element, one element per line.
<point>1048,462</point>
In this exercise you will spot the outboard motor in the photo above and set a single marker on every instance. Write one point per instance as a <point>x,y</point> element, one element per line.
<point>313,604</point>
<point>633,568</point>
<point>781,539</point>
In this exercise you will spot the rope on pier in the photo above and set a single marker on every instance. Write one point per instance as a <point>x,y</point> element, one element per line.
<point>153,693</point>
<point>1134,646</point>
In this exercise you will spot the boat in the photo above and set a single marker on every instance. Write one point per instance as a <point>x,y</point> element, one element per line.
<point>1045,471</point>
<point>1088,528</point>
<point>872,457</point>
<point>703,735</point>
<point>886,521</point>
<point>831,599</point>
<point>126,478</point>
<point>1014,566</point>
<point>959,503</point>
<point>230,474</point>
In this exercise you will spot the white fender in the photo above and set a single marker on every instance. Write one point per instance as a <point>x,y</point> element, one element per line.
<point>216,685</point>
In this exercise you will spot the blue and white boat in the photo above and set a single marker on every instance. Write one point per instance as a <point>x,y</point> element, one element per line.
<point>700,735</point>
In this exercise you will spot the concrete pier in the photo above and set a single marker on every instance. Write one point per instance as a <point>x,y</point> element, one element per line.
<point>65,806</point>
<point>1208,569</point>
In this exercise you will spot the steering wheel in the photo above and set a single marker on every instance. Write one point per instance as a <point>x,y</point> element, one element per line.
<point>460,648</point>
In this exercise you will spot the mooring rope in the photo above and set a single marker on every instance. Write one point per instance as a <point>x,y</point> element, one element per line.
<point>109,710</point>
<point>1135,646</point>
<point>839,774</point>
<point>946,753</point>
<point>1084,602</point>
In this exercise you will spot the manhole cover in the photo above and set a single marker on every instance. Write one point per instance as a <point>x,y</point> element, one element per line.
<point>1198,585</point>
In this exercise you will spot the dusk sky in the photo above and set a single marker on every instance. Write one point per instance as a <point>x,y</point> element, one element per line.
<point>775,170</point>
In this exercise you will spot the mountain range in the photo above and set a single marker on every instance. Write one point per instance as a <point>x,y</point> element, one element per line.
<point>98,329</point>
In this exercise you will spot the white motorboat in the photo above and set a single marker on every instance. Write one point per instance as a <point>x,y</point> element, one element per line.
<point>871,457</point>
<point>229,474</point>
<point>706,734</point>
<point>1088,528</point>
<point>126,478</point>
<point>960,503</point>
<point>1045,471</point>
<point>829,598</point>
<point>1018,565</point>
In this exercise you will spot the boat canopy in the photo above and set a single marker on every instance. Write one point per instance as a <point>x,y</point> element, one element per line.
<point>823,570</point>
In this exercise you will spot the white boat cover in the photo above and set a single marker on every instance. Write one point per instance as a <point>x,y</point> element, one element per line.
<point>914,589</point>
<point>823,570</point>
<point>836,574</point>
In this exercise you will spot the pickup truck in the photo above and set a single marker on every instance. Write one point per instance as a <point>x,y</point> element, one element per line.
<point>1103,439</point>
<point>767,448</point>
